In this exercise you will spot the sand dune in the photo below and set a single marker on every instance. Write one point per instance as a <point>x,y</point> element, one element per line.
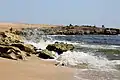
<point>6,26</point>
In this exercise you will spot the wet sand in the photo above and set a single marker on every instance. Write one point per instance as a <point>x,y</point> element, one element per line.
<point>33,69</point>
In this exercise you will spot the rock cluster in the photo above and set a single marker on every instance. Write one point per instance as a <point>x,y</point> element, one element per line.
<point>52,49</point>
<point>13,47</point>
<point>80,30</point>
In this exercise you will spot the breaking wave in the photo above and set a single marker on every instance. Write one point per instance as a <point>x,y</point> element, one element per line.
<point>88,65</point>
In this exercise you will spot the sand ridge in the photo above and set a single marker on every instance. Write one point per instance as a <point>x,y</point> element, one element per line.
<point>5,26</point>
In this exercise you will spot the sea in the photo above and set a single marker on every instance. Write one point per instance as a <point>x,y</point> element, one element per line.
<point>95,57</point>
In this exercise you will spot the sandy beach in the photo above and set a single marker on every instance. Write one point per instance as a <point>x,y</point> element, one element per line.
<point>33,69</point>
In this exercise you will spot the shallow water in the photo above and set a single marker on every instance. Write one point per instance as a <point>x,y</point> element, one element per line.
<point>85,74</point>
<point>93,51</point>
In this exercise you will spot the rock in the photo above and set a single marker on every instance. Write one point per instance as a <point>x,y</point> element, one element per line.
<point>46,54</point>
<point>12,46</point>
<point>14,37</point>
<point>60,47</point>
<point>25,47</point>
<point>12,52</point>
<point>2,34</point>
<point>16,32</point>
<point>7,38</point>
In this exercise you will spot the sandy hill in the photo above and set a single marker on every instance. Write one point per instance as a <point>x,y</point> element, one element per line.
<point>6,26</point>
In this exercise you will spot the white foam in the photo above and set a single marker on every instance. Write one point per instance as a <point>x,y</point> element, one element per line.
<point>117,62</point>
<point>39,45</point>
<point>76,58</point>
<point>51,40</point>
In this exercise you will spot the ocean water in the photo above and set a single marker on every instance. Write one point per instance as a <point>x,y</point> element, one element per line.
<point>95,57</point>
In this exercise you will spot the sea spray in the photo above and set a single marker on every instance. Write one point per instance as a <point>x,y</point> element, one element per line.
<point>98,67</point>
<point>77,58</point>
<point>39,45</point>
<point>33,35</point>
<point>36,37</point>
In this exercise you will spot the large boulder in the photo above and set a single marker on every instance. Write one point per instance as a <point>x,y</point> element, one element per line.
<point>12,52</point>
<point>60,47</point>
<point>25,47</point>
<point>12,46</point>
<point>46,54</point>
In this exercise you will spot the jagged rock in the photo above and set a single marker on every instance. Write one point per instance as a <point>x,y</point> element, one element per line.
<point>2,34</point>
<point>14,37</point>
<point>12,46</point>
<point>7,38</point>
<point>46,54</point>
<point>25,47</point>
<point>60,47</point>
<point>16,32</point>
<point>12,52</point>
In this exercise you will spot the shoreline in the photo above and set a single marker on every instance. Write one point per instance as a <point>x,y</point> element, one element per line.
<point>32,68</point>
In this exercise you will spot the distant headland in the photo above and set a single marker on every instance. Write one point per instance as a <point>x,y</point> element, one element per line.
<point>83,30</point>
<point>62,29</point>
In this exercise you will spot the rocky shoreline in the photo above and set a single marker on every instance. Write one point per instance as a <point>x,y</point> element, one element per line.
<point>21,61</point>
<point>12,46</point>
<point>79,30</point>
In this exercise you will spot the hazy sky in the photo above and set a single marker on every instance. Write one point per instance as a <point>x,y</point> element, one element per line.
<point>93,12</point>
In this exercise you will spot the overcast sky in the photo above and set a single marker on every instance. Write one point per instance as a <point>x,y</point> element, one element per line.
<point>91,12</point>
